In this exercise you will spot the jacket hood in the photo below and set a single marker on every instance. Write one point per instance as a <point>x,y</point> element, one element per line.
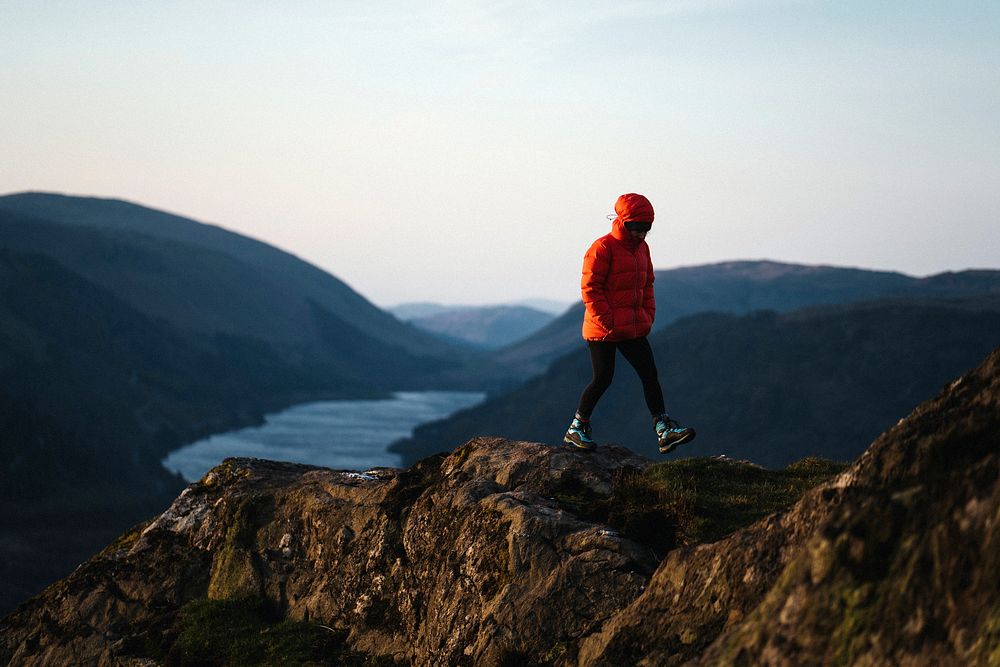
<point>630,207</point>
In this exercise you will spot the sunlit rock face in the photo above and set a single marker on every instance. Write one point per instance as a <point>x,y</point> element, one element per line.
<point>503,553</point>
<point>462,558</point>
<point>896,561</point>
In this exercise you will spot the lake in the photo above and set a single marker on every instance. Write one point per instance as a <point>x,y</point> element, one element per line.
<point>344,435</point>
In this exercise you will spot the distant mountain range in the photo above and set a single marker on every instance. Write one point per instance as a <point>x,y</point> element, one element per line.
<point>485,327</point>
<point>410,311</point>
<point>767,387</point>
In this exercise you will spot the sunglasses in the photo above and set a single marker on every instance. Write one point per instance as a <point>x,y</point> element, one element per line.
<point>636,226</point>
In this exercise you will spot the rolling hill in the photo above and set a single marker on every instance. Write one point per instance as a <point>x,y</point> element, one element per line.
<point>740,287</point>
<point>201,277</point>
<point>768,387</point>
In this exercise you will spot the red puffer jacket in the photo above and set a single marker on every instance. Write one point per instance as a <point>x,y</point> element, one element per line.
<point>617,283</point>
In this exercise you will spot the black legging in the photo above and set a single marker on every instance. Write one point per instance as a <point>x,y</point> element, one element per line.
<point>639,354</point>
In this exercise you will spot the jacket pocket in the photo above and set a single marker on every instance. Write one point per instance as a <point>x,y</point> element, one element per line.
<point>607,323</point>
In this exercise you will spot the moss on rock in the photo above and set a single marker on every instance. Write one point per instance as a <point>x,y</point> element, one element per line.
<point>693,500</point>
<point>234,572</point>
<point>248,632</point>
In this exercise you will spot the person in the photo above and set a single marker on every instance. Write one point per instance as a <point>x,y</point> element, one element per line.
<point>617,287</point>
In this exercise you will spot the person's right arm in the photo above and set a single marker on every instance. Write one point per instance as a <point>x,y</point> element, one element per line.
<point>596,266</point>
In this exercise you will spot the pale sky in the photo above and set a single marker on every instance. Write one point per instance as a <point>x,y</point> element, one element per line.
<point>468,152</point>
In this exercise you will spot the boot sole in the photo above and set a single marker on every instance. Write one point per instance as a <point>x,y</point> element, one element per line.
<point>677,443</point>
<point>581,447</point>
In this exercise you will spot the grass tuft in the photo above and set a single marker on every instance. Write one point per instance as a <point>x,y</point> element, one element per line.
<point>718,496</point>
<point>693,500</point>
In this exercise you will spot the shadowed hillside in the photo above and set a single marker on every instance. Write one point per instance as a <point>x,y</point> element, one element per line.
<point>187,272</point>
<point>771,388</point>
<point>203,279</point>
<point>127,332</point>
<point>93,394</point>
<point>746,286</point>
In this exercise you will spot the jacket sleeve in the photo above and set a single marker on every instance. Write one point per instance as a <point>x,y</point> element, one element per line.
<point>596,266</point>
<point>648,295</point>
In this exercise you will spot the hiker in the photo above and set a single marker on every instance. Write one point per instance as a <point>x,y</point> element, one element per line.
<point>617,288</point>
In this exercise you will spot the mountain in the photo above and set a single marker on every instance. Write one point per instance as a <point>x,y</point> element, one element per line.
<point>487,327</point>
<point>412,311</point>
<point>203,278</point>
<point>126,332</point>
<point>417,309</point>
<point>508,552</point>
<point>91,393</point>
<point>768,387</point>
<point>549,306</point>
<point>744,286</point>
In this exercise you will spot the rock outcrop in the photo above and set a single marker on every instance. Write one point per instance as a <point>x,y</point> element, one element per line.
<point>894,562</point>
<point>489,557</point>
<point>467,559</point>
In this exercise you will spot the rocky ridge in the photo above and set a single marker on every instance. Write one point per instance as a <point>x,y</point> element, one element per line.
<point>896,561</point>
<point>464,559</point>
<point>480,558</point>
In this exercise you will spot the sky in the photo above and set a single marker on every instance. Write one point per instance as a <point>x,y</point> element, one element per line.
<point>469,152</point>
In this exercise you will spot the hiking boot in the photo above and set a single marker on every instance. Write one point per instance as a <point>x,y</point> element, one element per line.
<point>579,435</point>
<point>671,434</point>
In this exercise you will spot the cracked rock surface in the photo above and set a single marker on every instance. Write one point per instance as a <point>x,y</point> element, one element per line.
<point>460,559</point>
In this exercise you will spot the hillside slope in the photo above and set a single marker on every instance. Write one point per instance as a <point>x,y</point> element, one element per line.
<point>741,287</point>
<point>517,553</point>
<point>767,387</point>
<point>90,394</point>
<point>127,332</point>
<point>93,394</point>
<point>197,276</point>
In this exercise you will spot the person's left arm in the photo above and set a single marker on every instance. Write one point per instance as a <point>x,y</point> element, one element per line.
<point>648,296</point>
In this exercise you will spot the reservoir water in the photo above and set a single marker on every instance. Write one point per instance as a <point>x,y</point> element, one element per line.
<point>344,435</point>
